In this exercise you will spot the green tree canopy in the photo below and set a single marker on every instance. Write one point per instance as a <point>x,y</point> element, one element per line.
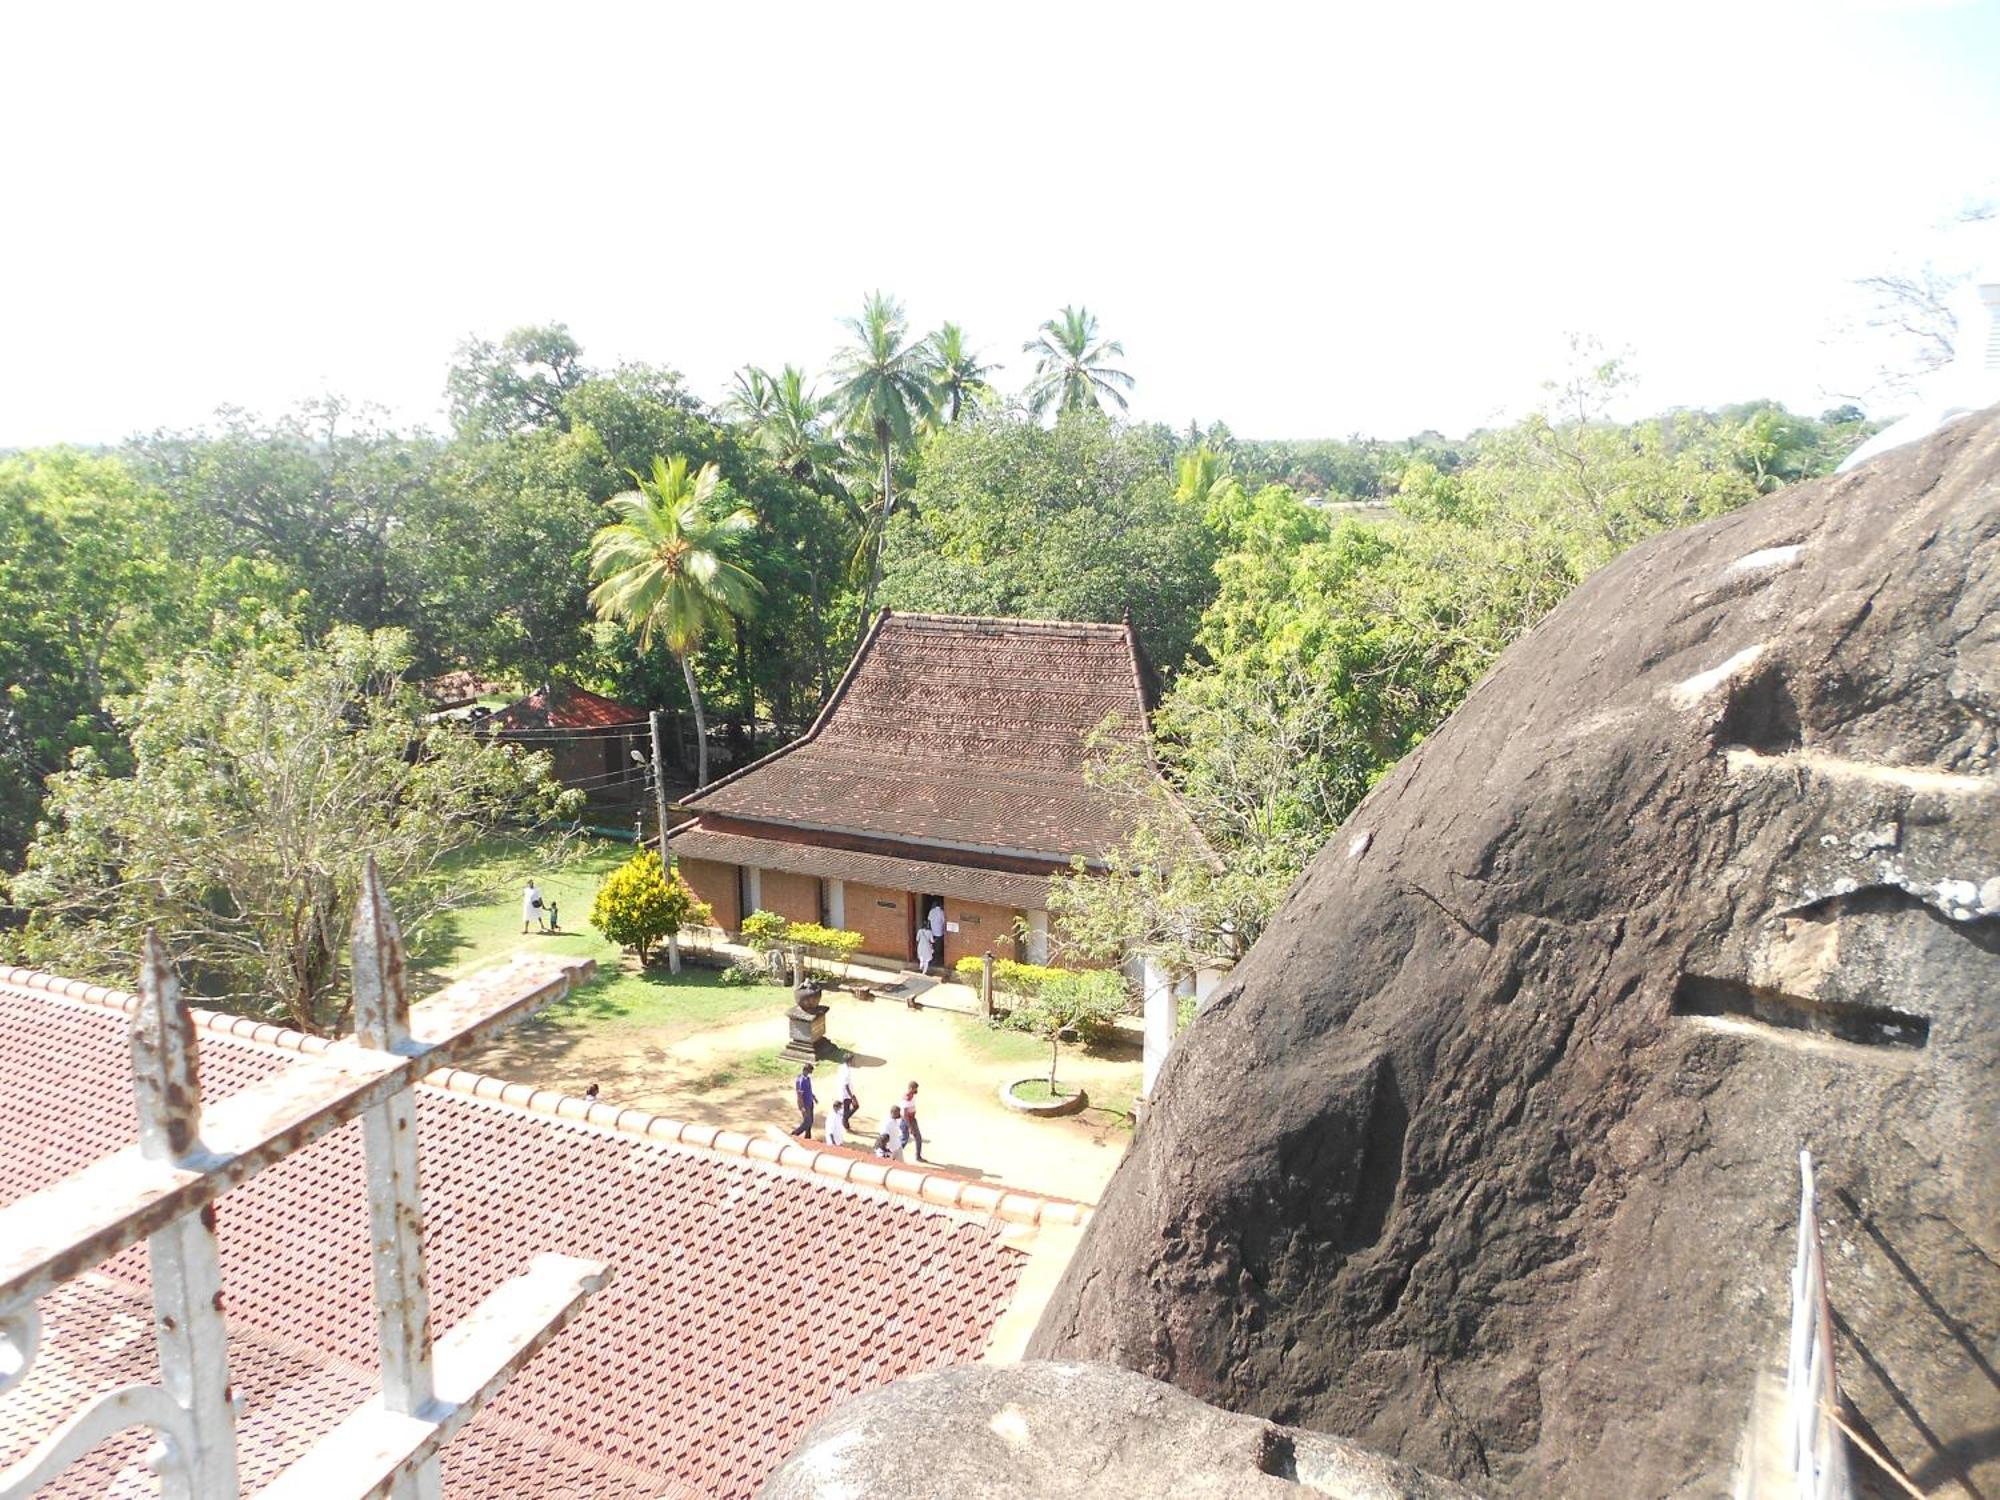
<point>1078,522</point>
<point>262,780</point>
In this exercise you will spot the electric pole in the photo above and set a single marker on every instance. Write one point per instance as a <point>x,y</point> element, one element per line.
<point>659,782</point>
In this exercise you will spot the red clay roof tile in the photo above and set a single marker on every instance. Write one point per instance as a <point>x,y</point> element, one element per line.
<point>745,1296</point>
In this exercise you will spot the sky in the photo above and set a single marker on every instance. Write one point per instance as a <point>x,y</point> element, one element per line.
<point>1306,220</point>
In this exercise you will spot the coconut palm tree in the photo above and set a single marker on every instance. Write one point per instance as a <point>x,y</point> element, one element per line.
<point>1070,369</point>
<point>957,376</point>
<point>750,396</point>
<point>667,567</point>
<point>884,393</point>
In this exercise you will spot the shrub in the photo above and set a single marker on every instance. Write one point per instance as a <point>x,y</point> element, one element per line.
<point>764,930</point>
<point>833,946</point>
<point>747,968</point>
<point>1081,1003</point>
<point>640,903</point>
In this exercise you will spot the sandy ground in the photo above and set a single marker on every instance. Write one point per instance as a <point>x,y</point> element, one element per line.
<point>714,1077</point>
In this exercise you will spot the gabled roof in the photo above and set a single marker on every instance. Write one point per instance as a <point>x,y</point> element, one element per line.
<point>563,706</point>
<point>747,1295</point>
<point>960,731</point>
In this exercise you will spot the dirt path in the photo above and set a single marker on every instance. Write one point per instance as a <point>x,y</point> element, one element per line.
<point>729,1075</point>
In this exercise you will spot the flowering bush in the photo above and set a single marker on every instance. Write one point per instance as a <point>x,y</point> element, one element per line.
<point>640,903</point>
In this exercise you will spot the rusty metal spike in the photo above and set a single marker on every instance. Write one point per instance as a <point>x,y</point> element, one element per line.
<point>166,1068</point>
<point>381,998</point>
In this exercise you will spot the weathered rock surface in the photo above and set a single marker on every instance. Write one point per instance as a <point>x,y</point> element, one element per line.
<point>1486,1157</point>
<point>1041,1431</point>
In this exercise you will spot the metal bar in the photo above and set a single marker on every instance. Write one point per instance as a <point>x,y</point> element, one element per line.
<point>186,1275</point>
<point>395,1204</point>
<point>70,1226</point>
<point>366,1453</point>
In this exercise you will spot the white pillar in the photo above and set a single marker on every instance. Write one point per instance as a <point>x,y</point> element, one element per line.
<point>836,903</point>
<point>1161,1009</point>
<point>1038,937</point>
<point>753,888</point>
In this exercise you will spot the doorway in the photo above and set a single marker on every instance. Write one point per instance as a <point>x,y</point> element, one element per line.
<point>922,921</point>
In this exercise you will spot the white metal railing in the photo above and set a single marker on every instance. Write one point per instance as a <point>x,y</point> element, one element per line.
<point>1818,1449</point>
<point>163,1188</point>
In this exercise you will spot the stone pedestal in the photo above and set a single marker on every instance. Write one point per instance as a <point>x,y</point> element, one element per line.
<point>807,1020</point>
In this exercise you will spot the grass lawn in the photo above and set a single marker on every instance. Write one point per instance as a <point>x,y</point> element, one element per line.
<point>672,1005</point>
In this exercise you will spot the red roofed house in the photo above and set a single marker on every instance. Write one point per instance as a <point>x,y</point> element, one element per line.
<point>754,1281</point>
<point>948,766</point>
<point>591,737</point>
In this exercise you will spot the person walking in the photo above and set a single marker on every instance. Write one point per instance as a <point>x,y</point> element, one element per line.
<point>911,1130</point>
<point>802,1089</point>
<point>841,1105</point>
<point>936,922</point>
<point>924,948</point>
<point>531,906</point>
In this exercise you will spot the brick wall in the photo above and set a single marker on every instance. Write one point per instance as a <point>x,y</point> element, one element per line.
<point>793,897</point>
<point>882,918</point>
<point>719,885</point>
<point>980,927</point>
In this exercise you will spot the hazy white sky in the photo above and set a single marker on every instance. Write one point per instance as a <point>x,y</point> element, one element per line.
<point>1304,219</point>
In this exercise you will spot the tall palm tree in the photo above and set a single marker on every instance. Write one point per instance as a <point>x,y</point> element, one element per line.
<point>667,568</point>
<point>794,432</point>
<point>957,376</point>
<point>1070,369</point>
<point>885,393</point>
<point>750,396</point>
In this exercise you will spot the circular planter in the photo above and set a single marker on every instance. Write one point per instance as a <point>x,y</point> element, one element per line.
<point>1041,1110</point>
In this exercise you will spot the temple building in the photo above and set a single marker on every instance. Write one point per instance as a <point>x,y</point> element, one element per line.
<point>946,769</point>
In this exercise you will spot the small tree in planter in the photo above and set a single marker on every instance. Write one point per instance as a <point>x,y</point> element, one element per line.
<point>640,903</point>
<point>1081,1003</point>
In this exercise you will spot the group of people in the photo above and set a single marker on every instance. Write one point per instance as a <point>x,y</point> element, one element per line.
<point>899,1131</point>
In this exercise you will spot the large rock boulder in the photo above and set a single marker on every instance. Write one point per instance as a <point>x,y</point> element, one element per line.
<point>1487,1155</point>
<point>1073,1432</point>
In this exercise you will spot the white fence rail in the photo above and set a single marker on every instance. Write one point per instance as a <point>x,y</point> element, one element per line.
<point>1818,1448</point>
<point>163,1188</point>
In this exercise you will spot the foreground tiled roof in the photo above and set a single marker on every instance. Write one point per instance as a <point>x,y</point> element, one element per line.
<point>563,706</point>
<point>746,1296</point>
<point>968,882</point>
<point>966,732</point>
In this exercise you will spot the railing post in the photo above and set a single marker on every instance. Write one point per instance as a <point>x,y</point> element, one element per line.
<point>395,1205</point>
<point>186,1271</point>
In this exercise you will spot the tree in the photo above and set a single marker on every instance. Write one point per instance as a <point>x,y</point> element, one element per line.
<point>1078,522</point>
<point>884,392</point>
<point>496,390</point>
<point>641,904</point>
<point>667,568</point>
<point>262,781</point>
<point>1071,373</point>
<point>1082,1003</point>
<point>959,381</point>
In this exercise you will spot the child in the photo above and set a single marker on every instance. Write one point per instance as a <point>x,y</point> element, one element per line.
<point>555,921</point>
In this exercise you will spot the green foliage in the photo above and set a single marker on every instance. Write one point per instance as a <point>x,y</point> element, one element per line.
<point>1009,976</point>
<point>764,930</point>
<point>640,905</point>
<point>832,946</point>
<point>262,778</point>
<point>1077,523</point>
<point>1079,1003</point>
<point>1072,370</point>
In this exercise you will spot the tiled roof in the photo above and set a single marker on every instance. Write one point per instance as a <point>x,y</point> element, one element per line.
<point>960,731</point>
<point>746,1296</point>
<point>563,706</point>
<point>935,877</point>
